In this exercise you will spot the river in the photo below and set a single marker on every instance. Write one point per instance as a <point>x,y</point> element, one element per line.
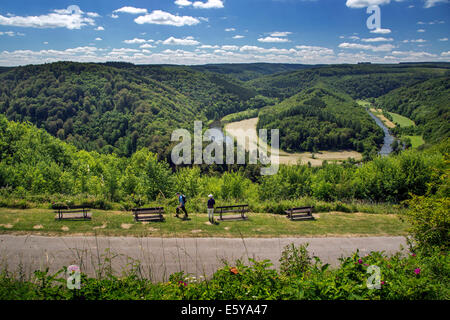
<point>388,138</point>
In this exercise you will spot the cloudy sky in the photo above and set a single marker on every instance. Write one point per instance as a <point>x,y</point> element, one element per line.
<point>222,31</point>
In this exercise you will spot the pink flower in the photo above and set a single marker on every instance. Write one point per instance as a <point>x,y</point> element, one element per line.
<point>360,261</point>
<point>417,271</point>
<point>413,255</point>
<point>382,283</point>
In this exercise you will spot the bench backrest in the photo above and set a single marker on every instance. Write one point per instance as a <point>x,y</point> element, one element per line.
<point>235,208</point>
<point>147,210</point>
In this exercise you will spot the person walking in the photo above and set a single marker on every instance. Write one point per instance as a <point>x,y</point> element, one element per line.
<point>181,206</point>
<point>211,203</point>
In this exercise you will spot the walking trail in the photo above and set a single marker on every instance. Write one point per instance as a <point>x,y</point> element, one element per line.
<point>160,257</point>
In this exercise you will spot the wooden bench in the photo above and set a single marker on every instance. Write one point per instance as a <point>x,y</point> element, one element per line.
<point>242,209</point>
<point>148,214</point>
<point>302,213</point>
<point>74,213</point>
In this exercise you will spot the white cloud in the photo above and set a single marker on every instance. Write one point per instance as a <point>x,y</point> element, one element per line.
<point>432,3</point>
<point>188,41</point>
<point>445,54</point>
<point>11,33</point>
<point>114,16</point>
<point>365,3</point>
<point>443,39</point>
<point>381,31</point>
<point>99,28</point>
<point>183,3</point>
<point>165,18</point>
<point>273,40</point>
<point>70,18</point>
<point>421,30</point>
<point>418,41</point>
<point>98,39</point>
<point>383,47</point>
<point>414,54</point>
<point>131,10</point>
<point>230,48</point>
<point>209,4</point>
<point>123,50</point>
<point>314,50</point>
<point>135,41</point>
<point>238,37</point>
<point>280,34</point>
<point>146,46</point>
<point>230,29</point>
<point>93,14</point>
<point>377,39</point>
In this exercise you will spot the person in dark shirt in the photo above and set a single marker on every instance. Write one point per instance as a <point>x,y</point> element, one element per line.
<point>181,206</point>
<point>211,203</point>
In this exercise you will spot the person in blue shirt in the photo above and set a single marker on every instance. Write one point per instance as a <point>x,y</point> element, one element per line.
<point>181,206</point>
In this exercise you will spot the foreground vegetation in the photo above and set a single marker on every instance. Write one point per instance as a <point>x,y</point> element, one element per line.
<point>36,166</point>
<point>402,277</point>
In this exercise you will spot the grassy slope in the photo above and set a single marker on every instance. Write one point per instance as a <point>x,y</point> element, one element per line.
<point>116,223</point>
<point>401,120</point>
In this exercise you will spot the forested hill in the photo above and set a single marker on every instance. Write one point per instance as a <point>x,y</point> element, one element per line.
<point>427,103</point>
<point>249,71</point>
<point>118,107</point>
<point>359,81</point>
<point>321,118</point>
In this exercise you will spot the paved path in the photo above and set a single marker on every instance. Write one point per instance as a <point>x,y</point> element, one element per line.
<point>160,257</point>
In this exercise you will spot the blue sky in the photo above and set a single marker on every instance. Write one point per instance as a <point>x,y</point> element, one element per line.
<point>222,31</point>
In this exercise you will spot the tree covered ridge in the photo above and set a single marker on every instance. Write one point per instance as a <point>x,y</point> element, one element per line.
<point>109,109</point>
<point>121,107</point>
<point>426,103</point>
<point>321,118</point>
<point>32,162</point>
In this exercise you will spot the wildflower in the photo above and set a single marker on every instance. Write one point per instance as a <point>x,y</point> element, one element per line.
<point>417,271</point>
<point>234,270</point>
<point>365,264</point>
<point>182,283</point>
<point>413,255</point>
<point>360,261</point>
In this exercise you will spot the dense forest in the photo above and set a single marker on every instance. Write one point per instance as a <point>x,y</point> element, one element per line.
<point>118,107</point>
<point>34,165</point>
<point>322,119</point>
<point>121,108</point>
<point>426,103</point>
<point>359,81</point>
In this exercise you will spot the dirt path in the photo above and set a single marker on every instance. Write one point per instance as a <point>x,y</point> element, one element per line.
<point>235,129</point>
<point>379,113</point>
<point>161,257</point>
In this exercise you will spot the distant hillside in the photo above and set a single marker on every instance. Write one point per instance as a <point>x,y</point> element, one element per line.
<point>321,118</point>
<point>118,107</point>
<point>249,71</point>
<point>359,81</point>
<point>427,103</point>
